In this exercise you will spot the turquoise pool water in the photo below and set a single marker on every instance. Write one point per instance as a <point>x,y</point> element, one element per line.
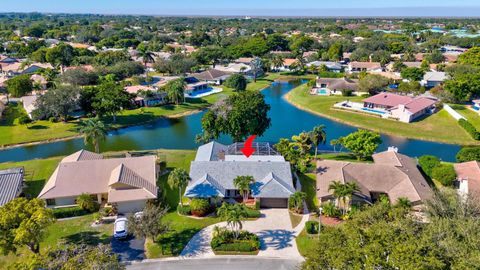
<point>322,91</point>
<point>373,111</point>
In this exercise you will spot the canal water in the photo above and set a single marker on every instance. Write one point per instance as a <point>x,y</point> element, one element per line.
<point>179,133</point>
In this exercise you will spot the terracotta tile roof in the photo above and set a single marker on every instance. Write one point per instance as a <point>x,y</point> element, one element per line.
<point>367,65</point>
<point>289,61</point>
<point>392,173</point>
<point>388,99</point>
<point>86,172</point>
<point>136,88</point>
<point>469,171</point>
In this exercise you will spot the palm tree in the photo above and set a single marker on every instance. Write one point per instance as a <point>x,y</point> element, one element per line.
<point>256,66</point>
<point>277,62</point>
<point>147,56</point>
<point>233,214</point>
<point>242,183</point>
<point>296,201</point>
<point>338,191</point>
<point>93,131</point>
<point>318,136</point>
<point>350,189</point>
<point>178,178</point>
<point>175,90</point>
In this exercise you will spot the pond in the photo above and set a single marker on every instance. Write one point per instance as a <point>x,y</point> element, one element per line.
<point>179,133</point>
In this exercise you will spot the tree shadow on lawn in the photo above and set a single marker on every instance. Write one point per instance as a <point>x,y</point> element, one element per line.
<point>33,187</point>
<point>38,127</point>
<point>172,243</point>
<point>90,238</point>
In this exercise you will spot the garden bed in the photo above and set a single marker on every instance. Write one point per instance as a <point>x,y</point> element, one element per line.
<point>224,241</point>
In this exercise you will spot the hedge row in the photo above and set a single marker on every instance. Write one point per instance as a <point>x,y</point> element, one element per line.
<point>240,246</point>
<point>67,212</point>
<point>252,213</point>
<point>469,128</point>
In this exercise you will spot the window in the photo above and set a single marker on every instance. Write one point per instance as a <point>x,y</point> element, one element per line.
<point>50,202</point>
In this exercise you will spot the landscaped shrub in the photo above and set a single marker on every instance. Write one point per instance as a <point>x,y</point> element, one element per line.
<point>200,207</point>
<point>445,174</point>
<point>224,240</point>
<point>67,212</point>
<point>347,92</point>
<point>330,210</point>
<point>468,154</point>
<point>252,213</point>
<point>311,227</point>
<point>428,163</point>
<point>184,210</point>
<point>86,202</point>
<point>469,128</point>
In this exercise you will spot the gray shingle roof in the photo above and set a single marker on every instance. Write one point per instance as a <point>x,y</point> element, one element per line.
<point>11,182</point>
<point>223,172</point>
<point>205,187</point>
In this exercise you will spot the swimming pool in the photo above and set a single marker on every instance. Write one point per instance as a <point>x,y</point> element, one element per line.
<point>373,111</point>
<point>322,91</point>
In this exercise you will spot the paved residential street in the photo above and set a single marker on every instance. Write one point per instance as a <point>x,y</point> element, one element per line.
<point>236,263</point>
<point>274,228</point>
<point>131,249</point>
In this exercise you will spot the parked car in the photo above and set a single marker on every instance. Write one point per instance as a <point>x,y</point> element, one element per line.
<point>120,228</point>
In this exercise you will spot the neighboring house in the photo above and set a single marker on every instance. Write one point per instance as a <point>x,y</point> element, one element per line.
<point>406,64</point>
<point>244,60</point>
<point>403,108</point>
<point>468,177</point>
<point>335,86</point>
<point>364,66</point>
<point>392,174</point>
<point>36,67</point>
<point>433,78</point>
<point>11,184</point>
<point>147,96</point>
<point>217,165</point>
<point>84,67</point>
<point>212,76</point>
<point>287,65</point>
<point>331,66</point>
<point>126,183</point>
<point>194,86</point>
<point>29,104</point>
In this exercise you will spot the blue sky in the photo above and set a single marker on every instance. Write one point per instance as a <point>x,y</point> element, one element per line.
<point>252,7</point>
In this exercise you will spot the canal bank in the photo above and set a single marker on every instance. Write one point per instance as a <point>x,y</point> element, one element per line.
<point>179,133</point>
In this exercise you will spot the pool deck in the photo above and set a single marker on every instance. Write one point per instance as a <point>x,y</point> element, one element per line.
<point>358,107</point>
<point>214,90</point>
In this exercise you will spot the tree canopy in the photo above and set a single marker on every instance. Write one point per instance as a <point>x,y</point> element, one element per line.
<point>361,143</point>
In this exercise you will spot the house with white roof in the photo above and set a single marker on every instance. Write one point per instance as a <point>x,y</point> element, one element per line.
<point>217,165</point>
<point>433,78</point>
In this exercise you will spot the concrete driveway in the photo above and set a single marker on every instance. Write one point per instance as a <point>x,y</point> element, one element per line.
<point>277,237</point>
<point>131,249</point>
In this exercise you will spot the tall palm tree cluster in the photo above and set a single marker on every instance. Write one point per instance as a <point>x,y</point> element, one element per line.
<point>343,193</point>
<point>242,183</point>
<point>233,214</point>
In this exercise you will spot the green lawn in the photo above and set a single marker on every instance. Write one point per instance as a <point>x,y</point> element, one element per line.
<point>37,172</point>
<point>11,132</point>
<point>72,231</point>
<point>305,242</point>
<point>472,116</point>
<point>295,219</point>
<point>309,186</point>
<point>438,127</point>
<point>182,230</point>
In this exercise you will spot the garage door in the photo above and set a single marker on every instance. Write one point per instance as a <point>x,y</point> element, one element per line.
<point>273,202</point>
<point>130,207</point>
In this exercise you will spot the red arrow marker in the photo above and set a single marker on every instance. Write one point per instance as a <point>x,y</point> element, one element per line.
<point>248,150</point>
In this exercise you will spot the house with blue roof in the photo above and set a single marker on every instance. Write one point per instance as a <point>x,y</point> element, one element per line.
<point>217,165</point>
